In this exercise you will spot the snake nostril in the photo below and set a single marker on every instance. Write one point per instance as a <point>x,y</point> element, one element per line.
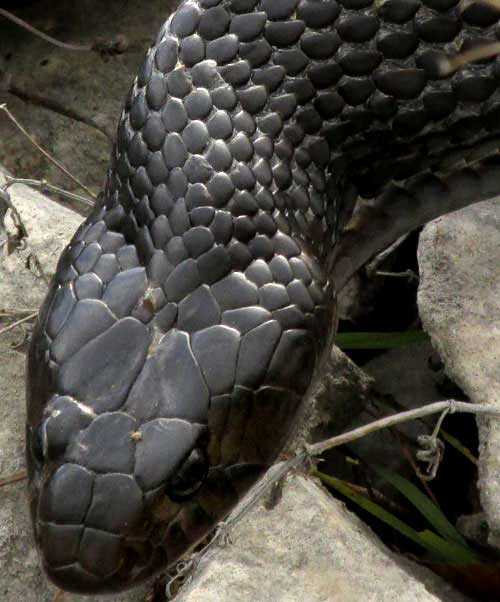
<point>189,478</point>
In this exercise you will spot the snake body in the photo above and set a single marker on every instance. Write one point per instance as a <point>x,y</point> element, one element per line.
<point>187,314</point>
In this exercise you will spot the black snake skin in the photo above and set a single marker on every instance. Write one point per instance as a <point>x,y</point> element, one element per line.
<point>186,316</point>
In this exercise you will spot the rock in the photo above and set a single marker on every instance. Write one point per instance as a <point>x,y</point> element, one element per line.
<point>404,375</point>
<point>338,393</point>
<point>474,527</point>
<point>459,303</point>
<point>50,226</point>
<point>310,548</point>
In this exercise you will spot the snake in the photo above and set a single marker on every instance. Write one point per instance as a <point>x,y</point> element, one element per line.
<point>266,150</point>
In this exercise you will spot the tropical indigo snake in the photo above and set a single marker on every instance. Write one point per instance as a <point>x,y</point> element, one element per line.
<point>266,150</point>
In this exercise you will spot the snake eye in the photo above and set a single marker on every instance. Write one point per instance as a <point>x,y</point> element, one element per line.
<point>189,478</point>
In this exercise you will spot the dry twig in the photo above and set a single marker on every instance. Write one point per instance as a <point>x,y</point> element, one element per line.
<point>108,47</point>
<point>20,238</point>
<point>372,267</point>
<point>44,186</point>
<point>25,93</point>
<point>17,477</point>
<point>438,407</point>
<point>3,107</point>
<point>18,323</point>
<point>447,65</point>
<point>7,312</point>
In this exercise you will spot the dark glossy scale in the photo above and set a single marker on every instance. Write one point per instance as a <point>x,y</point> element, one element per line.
<point>318,14</point>
<point>256,53</point>
<point>237,74</point>
<point>438,28</point>
<point>284,33</point>
<point>356,91</point>
<point>224,49</point>
<point>357,28</point>
<point>187,315</point>
<point>397,45</point>
<point>192,50</point>
<point>270,77</point>
<point>249,26</point>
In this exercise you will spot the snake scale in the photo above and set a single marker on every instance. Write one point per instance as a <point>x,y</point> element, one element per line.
<point>266,149</point>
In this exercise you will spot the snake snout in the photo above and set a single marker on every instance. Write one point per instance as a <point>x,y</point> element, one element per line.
<point>105,487</point>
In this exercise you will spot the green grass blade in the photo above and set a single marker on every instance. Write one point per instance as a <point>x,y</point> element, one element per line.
<point>379,340</point>
<point>373,508</point>
<point>439,548</point>
<point>424,505</point>
<point>452,552</point>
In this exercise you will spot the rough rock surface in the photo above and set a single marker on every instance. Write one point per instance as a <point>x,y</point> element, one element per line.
<point>49,226</point>
<point>404,375</point>
<point>459,303</point>
<point>310,548</point>
<point>338,393</point>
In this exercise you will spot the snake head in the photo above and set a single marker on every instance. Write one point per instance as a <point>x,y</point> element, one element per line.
<point>100,488</point>
<point>143,433</point>
<point>140,441</point>
<point>152,408</point>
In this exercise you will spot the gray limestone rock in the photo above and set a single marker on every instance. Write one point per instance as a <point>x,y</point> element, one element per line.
<point>310,548</point>
<point>459,303</point>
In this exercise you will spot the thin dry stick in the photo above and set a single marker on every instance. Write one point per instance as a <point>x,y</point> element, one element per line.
<point>410,274</point>
<point>16,217</point>
<point>411,461</point>
<point>41,34</point>
<point>103,47</point>
<point>6,312</point>
<point>18,222</point>
<point>46,187</point>
<point>3,107</point>
<point>376,495</point>
<point>21,475</point>
<point>35,262</point>
<point>52,104</point>
<point>449,406</point>
<point>372,267</point>
<point>18,323</point>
